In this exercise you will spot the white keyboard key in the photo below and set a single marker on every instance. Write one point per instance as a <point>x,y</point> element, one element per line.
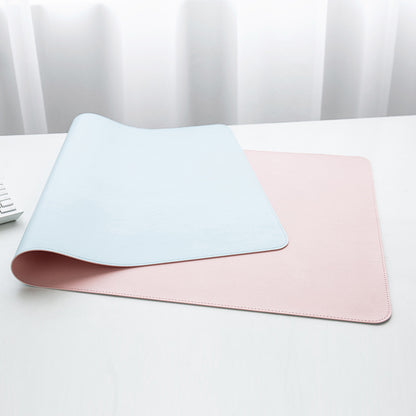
<point>6,203</point>
<point>7,209</point>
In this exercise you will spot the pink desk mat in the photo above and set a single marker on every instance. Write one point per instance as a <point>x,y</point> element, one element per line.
<point>333,267</point>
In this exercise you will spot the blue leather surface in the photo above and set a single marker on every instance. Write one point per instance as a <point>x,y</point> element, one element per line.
<point>125,196</point>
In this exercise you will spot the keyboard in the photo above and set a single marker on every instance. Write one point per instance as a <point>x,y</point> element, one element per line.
<point>8,210</point>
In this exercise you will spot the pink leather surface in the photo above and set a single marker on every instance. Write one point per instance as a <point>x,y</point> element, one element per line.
<point>332,268</point>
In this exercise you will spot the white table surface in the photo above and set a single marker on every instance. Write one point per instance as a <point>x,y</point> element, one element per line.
<point>64,353</point>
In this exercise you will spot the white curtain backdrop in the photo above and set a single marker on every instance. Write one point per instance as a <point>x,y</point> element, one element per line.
<point>165,63</point>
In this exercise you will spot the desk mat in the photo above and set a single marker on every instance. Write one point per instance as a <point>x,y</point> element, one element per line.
<point>332,268</point>
<point>124,196</point>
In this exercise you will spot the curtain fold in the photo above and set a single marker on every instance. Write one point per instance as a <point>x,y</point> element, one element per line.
<point>26,67</point>
<point>168,63</point>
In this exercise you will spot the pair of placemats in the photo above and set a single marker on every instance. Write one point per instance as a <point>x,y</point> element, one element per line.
<point>332,267</point>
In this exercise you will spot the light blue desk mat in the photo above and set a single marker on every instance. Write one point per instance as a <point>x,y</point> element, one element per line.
<point>125,196</point>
